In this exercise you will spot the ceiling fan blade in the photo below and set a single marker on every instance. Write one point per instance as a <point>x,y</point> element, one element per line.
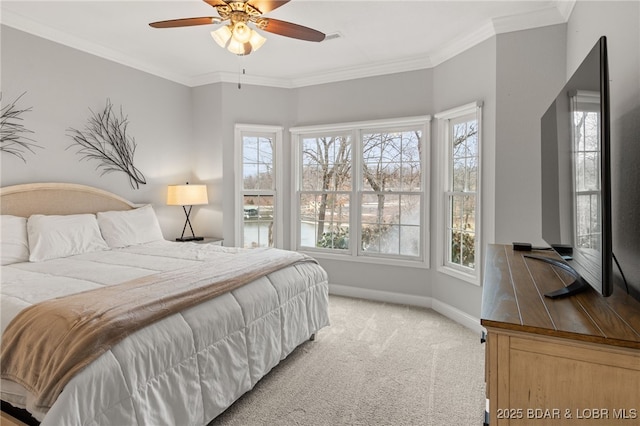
<point>265,6</point>
<point>186,22</point>
<point>214,3</point>
<point>289,29</point>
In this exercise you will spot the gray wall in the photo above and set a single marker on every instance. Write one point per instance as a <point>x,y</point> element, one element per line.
<point>389,96</point>
<point>61,84</point>
<point>530,70</point>
<point>619,21</point>
<point>207,163</point>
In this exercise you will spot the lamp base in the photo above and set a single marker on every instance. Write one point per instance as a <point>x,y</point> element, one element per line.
<point>185,239</point>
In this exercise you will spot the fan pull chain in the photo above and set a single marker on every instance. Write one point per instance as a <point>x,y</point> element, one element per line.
<point>239,80</point>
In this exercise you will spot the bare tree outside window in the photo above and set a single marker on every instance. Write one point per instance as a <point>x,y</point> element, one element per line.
<point>390,197</point>
<point>462,195</point>
<point>392,177</point>
<point>361,189</point>
<point>326,186</point>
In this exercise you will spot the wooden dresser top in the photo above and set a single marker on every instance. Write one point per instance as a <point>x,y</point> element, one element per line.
<point>513,299</point>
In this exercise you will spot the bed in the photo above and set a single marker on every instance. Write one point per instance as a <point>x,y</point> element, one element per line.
<point>184,363</point>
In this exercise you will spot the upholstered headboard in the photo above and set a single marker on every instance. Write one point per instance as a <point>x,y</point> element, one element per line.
<point>58,199</point>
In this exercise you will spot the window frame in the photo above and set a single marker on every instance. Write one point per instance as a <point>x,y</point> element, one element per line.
<point>275,132</point>
<point>355,130</point>
<point>445,119</point>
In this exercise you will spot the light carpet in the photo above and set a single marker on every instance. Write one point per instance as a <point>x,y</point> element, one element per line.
<point>377,364</point>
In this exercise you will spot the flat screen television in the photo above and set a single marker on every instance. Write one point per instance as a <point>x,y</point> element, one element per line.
<point>576,176</point>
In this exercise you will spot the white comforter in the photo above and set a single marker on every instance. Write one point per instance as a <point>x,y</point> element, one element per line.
<point>187,368</point>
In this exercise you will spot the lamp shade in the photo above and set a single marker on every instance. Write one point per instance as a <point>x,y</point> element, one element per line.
<point>238,48</point>
<point>187,195</point>
<point>256,40</point>
<point>222,35</point>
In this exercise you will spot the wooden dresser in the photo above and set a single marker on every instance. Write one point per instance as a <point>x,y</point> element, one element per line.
<point>570,361</point>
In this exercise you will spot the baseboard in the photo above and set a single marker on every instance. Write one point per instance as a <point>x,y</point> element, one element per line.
<point>379,295</point>
<point>406,299</point>
<point>458,316</point>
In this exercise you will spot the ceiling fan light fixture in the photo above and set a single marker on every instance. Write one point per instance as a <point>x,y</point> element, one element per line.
<point>222,35</point>
<point>226,37</point>
<point>241,32</point>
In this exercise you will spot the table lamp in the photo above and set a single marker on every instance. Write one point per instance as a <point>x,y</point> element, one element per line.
<point>187,196</point>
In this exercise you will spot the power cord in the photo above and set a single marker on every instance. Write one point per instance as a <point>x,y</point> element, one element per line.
<point>626,284</point>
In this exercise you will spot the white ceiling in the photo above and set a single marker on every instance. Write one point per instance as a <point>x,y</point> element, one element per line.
<point>376,37</point>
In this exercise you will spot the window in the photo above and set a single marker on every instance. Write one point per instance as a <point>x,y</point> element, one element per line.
<point>257,203</point>
<point>391,196</point>
<point>459,203</point>
<point>362,189</point>
<point>325,192</point>
<point>585,107</point>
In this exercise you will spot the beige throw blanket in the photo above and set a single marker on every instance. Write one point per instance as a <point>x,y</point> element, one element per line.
<point>47,343</point>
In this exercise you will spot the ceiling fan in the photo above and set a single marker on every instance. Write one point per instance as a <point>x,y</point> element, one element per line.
<point>237,36</point>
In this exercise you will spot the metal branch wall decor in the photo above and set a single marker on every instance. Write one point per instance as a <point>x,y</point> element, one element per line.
<point>105,139</point>
<point>12,132</point>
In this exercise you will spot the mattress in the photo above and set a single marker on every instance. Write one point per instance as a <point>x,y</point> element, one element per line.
<point>187,368</point>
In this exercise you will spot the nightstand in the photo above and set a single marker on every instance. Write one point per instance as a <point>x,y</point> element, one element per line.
<point>216,241</point>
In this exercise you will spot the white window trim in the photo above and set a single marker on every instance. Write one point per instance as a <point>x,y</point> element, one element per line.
<point>278,164</point>
<point>442,148</point>
<point>355,129</point>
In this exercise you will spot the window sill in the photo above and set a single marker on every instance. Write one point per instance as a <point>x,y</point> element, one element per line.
<point>367,259</point>
<point>470,278</point>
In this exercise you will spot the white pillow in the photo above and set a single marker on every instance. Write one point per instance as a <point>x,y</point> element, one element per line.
<point>52,236</point>
<point>15,246</point>
<point>130,227</point>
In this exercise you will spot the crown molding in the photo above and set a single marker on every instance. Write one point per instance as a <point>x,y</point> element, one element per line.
<point>565,7</point>
<point>462,43</point>
<point>331,76</point>
<point>362,71</point>
<point>236,78</point>
<point>556,14</point>
<point>540,18</point>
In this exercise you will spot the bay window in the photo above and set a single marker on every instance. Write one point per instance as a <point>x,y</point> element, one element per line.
<point>362,190</point>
